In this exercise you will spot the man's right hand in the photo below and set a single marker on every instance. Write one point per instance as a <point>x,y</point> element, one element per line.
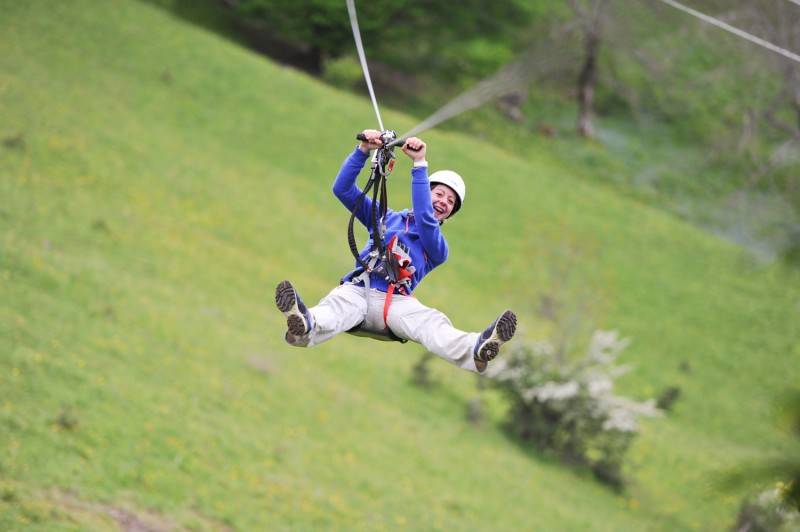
<point>373,141</point>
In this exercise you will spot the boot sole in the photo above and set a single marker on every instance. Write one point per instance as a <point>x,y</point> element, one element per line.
<point>296,325</point>
<point>503,331</point>
<point>285,297</point>
<point>286,300</point>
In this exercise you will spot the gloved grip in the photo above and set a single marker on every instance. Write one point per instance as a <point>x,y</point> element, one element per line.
<point>361,137</point>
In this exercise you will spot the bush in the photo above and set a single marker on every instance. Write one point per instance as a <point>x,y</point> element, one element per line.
<point>570,409</point>
<point>769,511</point>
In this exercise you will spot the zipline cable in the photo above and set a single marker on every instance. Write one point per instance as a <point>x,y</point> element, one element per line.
<point>518,73</point>
<point>510,77</point>
<point>351,8</point>
<point>380,260</point>
<point>736,31</point>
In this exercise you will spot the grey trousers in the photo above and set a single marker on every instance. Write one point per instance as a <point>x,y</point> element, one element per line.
<point>346,306</point>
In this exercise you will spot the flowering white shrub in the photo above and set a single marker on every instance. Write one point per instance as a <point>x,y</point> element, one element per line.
<point>769,511</point>
<point>571,409</point>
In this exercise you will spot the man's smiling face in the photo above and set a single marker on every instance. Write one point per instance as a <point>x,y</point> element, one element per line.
<point>444,200</point>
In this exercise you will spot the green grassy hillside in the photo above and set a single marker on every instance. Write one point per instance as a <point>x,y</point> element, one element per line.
<point>157,182</point>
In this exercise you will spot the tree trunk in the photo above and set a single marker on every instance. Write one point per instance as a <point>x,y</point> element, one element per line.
<point>586,84</point>
<point>593,30</point>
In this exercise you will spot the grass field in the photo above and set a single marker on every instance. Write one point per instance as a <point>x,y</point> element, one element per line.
<point>158,181</point>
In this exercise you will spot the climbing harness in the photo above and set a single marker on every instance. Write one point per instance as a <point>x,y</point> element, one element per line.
<point>391,261</point>
<point>388,260</point>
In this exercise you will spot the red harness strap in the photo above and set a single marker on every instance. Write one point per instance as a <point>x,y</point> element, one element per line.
<point>402,273</point>
<point>388,301</point>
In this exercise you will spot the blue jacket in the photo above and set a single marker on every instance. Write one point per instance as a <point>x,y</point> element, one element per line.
<point>418,229</point>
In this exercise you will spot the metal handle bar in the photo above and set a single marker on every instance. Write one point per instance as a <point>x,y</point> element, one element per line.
<point>388,140</point>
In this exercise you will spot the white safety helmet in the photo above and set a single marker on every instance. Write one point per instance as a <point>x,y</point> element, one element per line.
<point>452,180</point>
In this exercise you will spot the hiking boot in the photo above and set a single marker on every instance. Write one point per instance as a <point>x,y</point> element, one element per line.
<point>298,319</point>
<point>501,331</point>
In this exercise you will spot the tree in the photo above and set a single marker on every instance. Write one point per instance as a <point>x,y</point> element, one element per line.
<point>771,131</point>
<point>437,36</point>
<point>589,15</point>
<point>781,113</point>
<point>318,27</point>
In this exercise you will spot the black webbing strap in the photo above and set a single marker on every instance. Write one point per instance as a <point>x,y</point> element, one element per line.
<point>377,182</point>
<point>351,239</point>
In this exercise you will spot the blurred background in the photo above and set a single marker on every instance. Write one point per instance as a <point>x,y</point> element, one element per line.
<point>632,169</point>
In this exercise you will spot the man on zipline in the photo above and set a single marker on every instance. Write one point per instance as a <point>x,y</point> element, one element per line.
<point>366,300</point>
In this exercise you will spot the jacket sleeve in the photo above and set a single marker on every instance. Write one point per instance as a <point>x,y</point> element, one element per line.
<point>345,187</point>
<point>430,231</point>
